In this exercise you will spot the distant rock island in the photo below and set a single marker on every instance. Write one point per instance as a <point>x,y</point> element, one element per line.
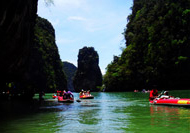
<point>70,70</point>
<point>88,75</point>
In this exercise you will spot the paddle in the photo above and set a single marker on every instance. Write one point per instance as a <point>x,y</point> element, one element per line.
<point>78,100</point>
<point>162,92</point>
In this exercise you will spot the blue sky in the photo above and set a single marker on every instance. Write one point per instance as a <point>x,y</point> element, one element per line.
<point>91,23</point>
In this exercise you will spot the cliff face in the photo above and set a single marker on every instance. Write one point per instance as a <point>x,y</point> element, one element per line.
<point>70,71</point>
<point>157,48</point>
<point>29,62</point>
<point>45,66</point>
<point>17,19</point>
<point>88,75</point>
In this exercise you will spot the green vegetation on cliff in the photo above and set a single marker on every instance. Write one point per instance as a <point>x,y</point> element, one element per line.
<point>47,68</point>
<point>157,48</point>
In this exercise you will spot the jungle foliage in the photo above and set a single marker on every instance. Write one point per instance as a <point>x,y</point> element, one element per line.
<point>157,48</point>
<point>47,65</point>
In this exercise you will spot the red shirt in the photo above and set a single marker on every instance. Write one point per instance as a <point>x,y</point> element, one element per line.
<point>153,93</point>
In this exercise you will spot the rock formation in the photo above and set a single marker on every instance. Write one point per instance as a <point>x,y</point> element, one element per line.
<point>29,63</point>
<point>45,66</point>
<point>17,20</point>
<point>70,71</point>
<point>88,75</point>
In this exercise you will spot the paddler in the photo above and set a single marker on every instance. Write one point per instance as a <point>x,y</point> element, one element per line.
<point>81,93</point>
<point>70,95</point>
<point>64,94</point>
<point>153,94</point>
<point>88,93</point>
<point>166,95</point>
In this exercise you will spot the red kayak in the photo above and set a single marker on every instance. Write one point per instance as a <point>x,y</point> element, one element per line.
<point>86,97</point>
<point>185,102</point>
<point>54,96</point>
<point>63,96</point>
<point>69,100</point>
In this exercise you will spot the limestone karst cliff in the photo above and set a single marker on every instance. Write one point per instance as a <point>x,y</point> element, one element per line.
<point>28,63</point>
<point>88,75</point>
<point>157,49</point>
<point>70,71</point>
<point>45,66</point>
<point>17,19</point>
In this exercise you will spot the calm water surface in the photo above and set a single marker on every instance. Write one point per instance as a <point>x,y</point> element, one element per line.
<point>125,112</point>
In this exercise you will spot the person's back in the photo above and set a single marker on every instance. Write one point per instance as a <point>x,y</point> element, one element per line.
<point>153,94</point>
<point>64,95</point>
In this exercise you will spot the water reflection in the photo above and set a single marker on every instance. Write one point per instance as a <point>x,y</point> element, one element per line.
<point>107,112</point>
<point>89,112</point>
<point>173,117</point>
<point>172,112</point>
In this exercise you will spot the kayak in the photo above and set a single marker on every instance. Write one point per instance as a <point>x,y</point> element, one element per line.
<point>54,96</point>
<point>69,100</point>
<point>63,96</point>
<point>185,102</point>
<point>86,97</point>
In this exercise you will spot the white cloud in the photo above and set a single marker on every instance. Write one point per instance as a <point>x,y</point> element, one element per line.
<point>77,18</point>
<point>67,5</point>
<point>73,3</point>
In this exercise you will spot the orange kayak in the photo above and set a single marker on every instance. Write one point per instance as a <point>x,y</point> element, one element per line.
<point>86,97</point>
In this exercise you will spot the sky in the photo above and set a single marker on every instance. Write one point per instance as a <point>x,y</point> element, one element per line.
<point>91,23</point>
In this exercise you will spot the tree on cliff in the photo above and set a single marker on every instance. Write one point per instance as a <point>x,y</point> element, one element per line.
<point>88,75</point>
<point>157,48</point>
<point>46,68</point>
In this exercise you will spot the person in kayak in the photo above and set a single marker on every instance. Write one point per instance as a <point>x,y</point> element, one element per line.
<point>81,93</point>
<point>70,95</point>
<point>153,94</point>
<point>88,93</point>
<point>64,94</point>
<point>166,95</point>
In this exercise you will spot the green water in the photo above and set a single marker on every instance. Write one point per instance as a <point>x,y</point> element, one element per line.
<point>125,112</point>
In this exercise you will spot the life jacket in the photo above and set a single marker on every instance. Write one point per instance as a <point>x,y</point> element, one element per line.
<point>152,94</point>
